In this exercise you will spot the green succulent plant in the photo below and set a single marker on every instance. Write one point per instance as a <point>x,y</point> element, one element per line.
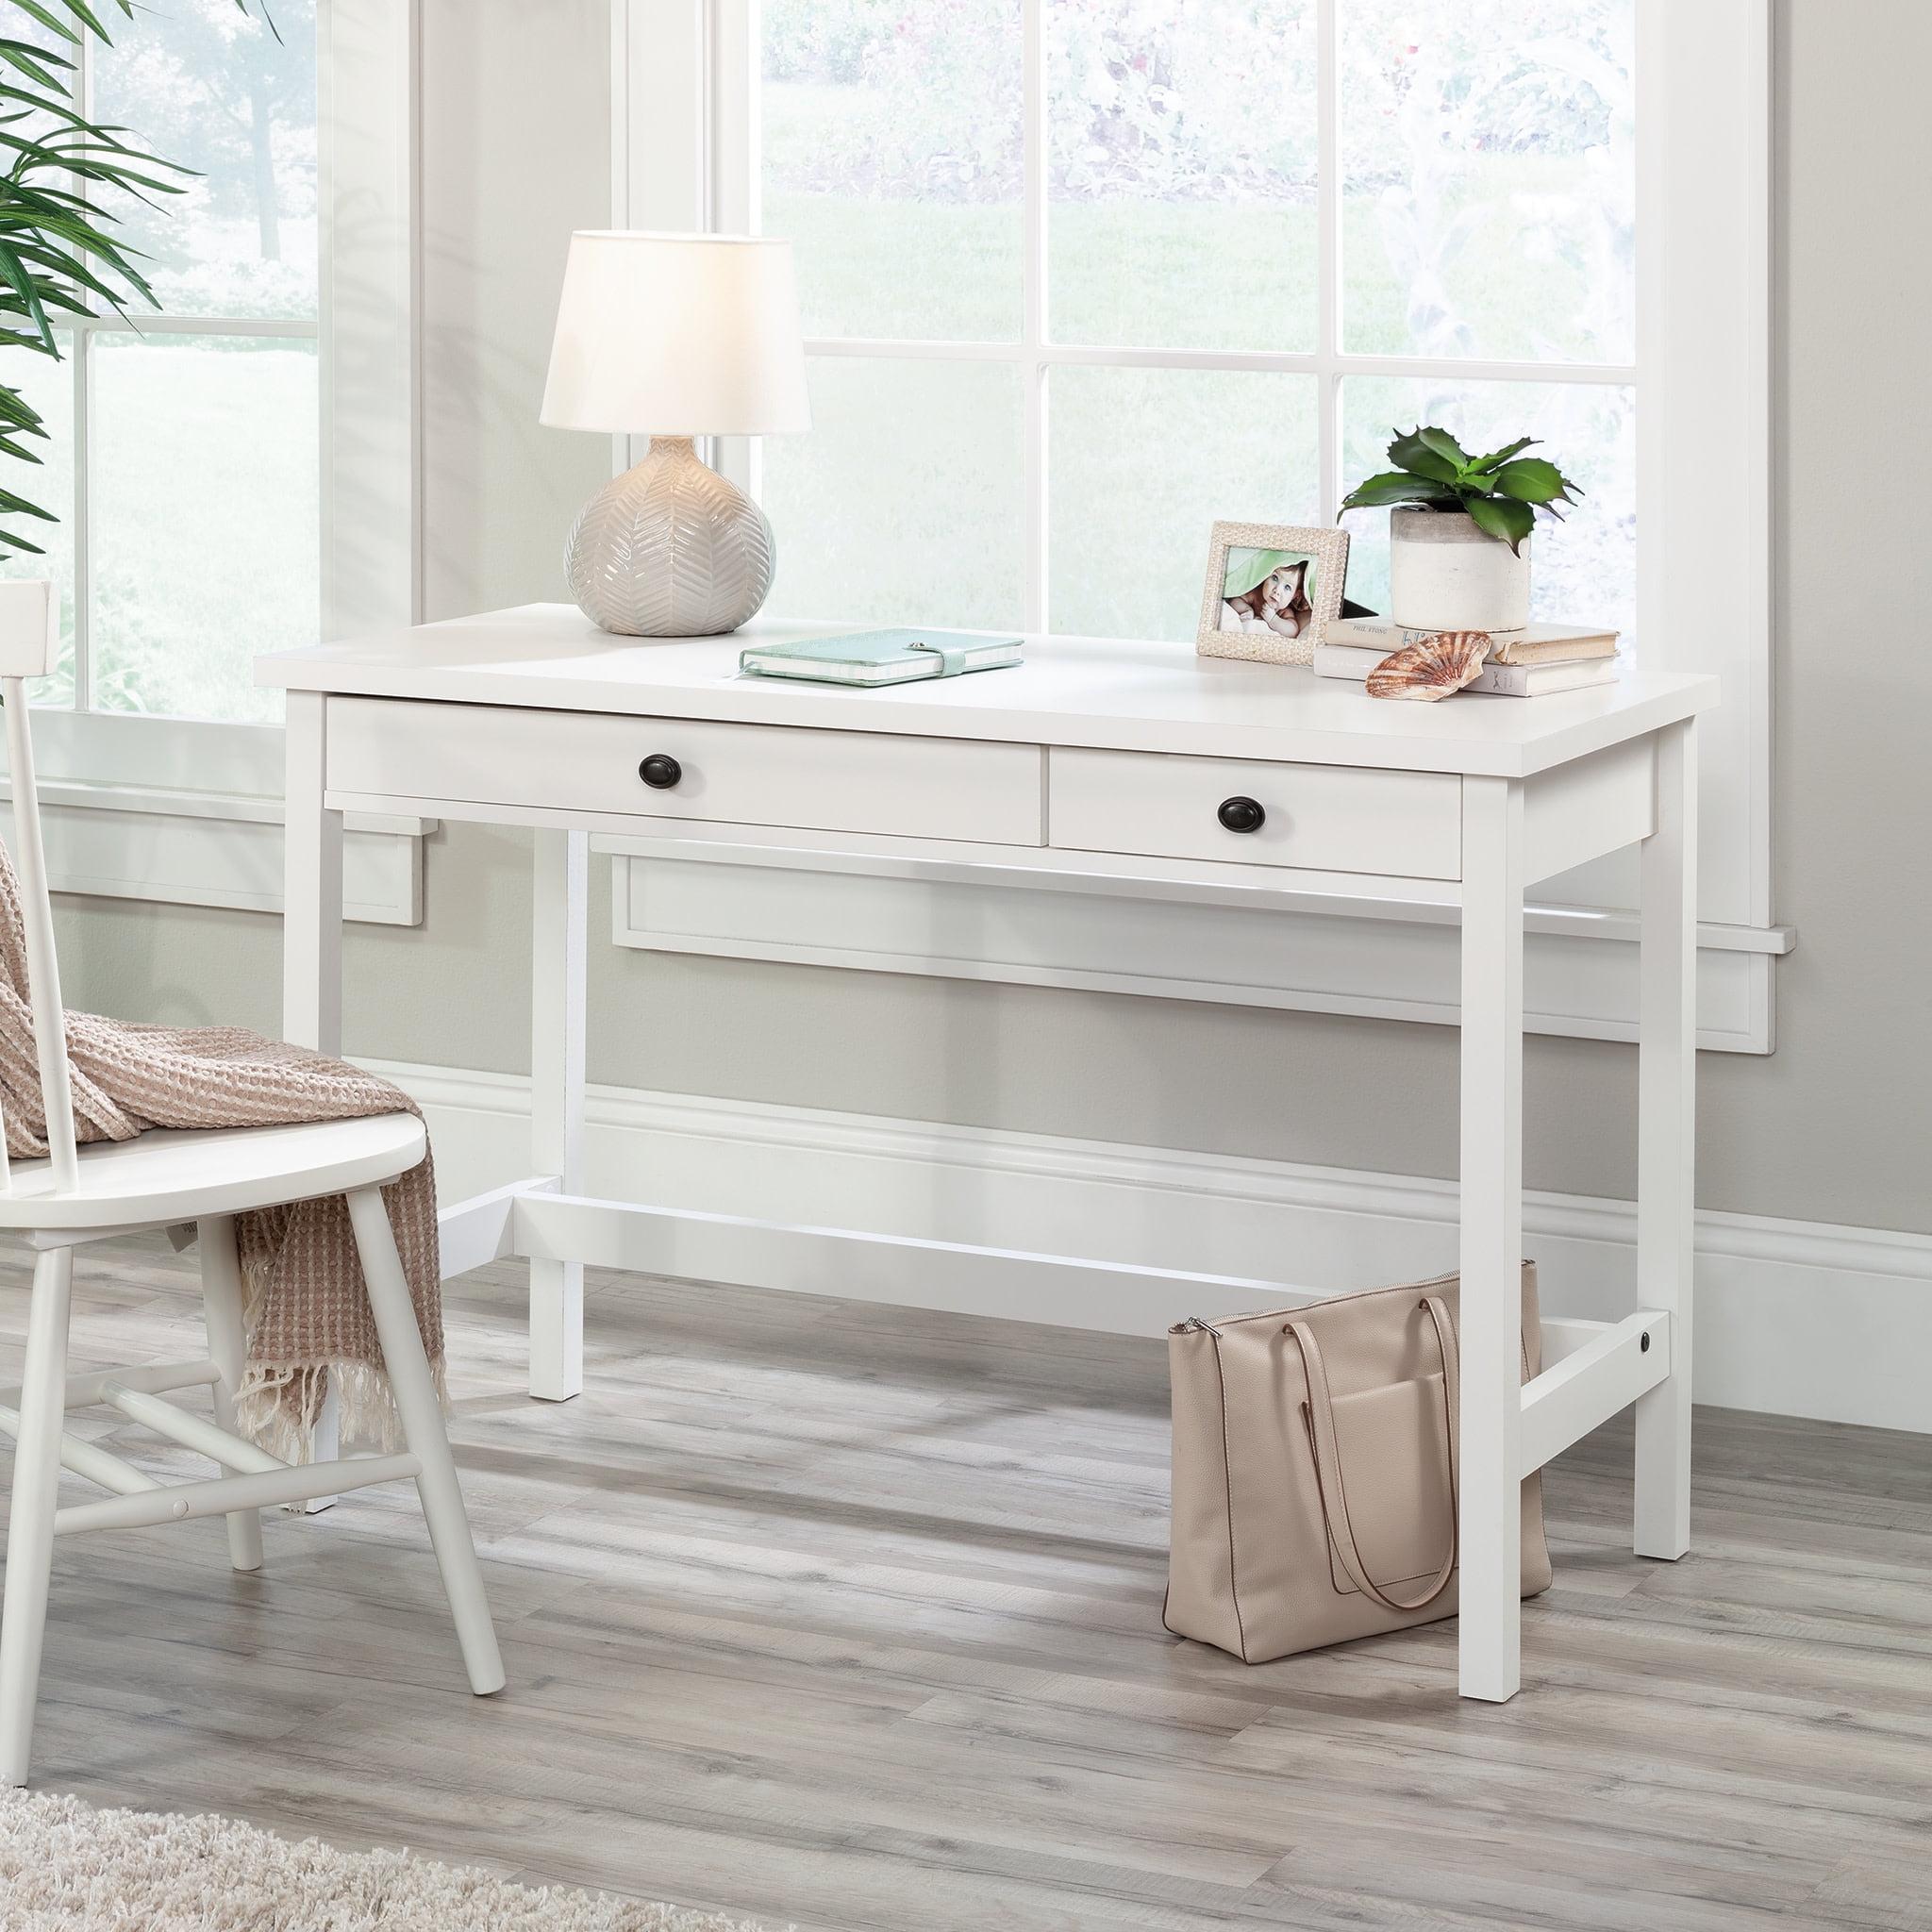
<point>1501,492</point>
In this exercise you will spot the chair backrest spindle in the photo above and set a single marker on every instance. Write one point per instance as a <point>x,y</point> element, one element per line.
<point>21,652</point>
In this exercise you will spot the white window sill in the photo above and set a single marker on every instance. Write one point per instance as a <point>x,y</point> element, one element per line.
<point>194,818</point>
<point>215,848</point>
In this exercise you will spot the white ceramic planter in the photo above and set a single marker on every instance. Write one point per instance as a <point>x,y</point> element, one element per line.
<point>1444,573</point>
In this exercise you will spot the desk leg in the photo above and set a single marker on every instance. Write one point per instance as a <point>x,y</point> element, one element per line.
<point>1666,1147</point>
<point>560,952</point>
<point>311,936</point>
<point>312,888</point>
<point>1489,1514</point>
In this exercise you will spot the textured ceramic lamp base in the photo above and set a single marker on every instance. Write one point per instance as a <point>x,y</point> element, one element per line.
<point>670,549</point>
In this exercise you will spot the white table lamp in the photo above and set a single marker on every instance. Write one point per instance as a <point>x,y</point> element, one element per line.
<point>676,337</point>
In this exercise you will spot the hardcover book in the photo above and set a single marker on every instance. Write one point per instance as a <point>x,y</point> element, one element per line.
<point>1496,680</point>
<point>1536,643</point>
<point>1542,680</point>
<point>881,656</point>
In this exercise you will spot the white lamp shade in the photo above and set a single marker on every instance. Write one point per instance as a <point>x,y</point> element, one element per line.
<point>677,335</point>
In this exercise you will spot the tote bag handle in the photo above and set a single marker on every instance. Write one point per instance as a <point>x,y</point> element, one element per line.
<point>1318,1413</point>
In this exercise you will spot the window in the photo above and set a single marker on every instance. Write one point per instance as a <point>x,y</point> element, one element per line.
<point>184,462</point>
<point>237,472</point>
<point>1081,277</point>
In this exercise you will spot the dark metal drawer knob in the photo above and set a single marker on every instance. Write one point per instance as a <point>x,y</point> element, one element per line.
<point>661,772</point>
<point>1242,814</point>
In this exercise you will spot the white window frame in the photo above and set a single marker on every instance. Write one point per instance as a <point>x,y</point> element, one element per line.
<point>189,811</point>
<point>684,155</point>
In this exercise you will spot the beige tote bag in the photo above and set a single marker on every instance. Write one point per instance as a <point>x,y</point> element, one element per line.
<point>1314,1471</point>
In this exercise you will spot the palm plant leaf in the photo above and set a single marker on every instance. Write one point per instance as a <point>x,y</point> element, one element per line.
<point>37,63</point>
<point>51,21</point>
<point>62,177</point>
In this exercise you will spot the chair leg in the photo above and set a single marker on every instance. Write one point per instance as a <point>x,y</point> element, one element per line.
<point>221,1305</point>
<point>421,1418</point>
<point>30,1528</point>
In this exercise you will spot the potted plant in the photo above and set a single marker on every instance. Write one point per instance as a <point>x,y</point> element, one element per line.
<point>1459,528</point>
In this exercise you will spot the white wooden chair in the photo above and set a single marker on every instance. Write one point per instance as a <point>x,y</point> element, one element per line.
<point>164,1179</point>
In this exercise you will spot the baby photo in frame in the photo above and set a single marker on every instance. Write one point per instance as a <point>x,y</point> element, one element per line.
<point>1271,590</point>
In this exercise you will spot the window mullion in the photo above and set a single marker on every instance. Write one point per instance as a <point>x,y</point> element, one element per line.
<point>1328,268</point>
<point>730,164</point>
<point>1461,368</point>
<point>1033,272</point>
<point>81,376</point>
<point>167,322</point>
<point>83,599</point>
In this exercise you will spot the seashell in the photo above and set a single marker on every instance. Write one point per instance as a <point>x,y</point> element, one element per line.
<point>1432,668</point>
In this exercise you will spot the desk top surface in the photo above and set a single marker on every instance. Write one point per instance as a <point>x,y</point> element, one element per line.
<point>1114,693</point>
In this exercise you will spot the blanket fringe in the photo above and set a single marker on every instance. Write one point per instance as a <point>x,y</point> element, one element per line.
<point>279,1407</point>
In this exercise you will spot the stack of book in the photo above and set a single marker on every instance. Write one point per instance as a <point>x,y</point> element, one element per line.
<point>1527,663</point>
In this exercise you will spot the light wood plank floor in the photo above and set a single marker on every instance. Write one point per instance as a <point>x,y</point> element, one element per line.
<point>846,1616</point>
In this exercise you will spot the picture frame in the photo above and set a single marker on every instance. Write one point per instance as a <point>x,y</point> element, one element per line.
<point>1271,590</point>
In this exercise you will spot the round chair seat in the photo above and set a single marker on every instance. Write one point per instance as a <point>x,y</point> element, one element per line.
<point>171,1174</point>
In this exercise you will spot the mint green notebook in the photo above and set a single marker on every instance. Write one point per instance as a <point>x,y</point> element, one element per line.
<point>881,656</point>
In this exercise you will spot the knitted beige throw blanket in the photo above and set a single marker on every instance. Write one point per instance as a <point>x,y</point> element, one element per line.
<point>308,1316</point>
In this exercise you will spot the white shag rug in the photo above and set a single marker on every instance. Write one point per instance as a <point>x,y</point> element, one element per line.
<point>65,1867</point>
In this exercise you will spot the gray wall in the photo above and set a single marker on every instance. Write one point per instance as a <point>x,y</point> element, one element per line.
<point>1832,1128</point>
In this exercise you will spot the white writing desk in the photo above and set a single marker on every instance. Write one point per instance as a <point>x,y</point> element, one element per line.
<point>1111,760</point>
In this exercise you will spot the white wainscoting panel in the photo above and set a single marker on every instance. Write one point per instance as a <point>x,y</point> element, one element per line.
<point>1793,1318</point>
<point>1243,951</point>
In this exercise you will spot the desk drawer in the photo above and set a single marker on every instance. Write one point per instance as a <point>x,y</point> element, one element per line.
<point>1327,818</point>
<point>749,775</point>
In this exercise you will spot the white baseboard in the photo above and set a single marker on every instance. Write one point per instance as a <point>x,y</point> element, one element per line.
<point>1795,1317</point>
